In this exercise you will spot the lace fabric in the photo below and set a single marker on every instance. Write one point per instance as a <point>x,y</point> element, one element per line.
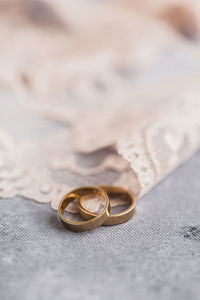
<point>160,147</point>
<point>77,109</point>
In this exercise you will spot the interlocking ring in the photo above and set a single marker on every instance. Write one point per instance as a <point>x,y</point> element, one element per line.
<point>76,194</point>
<point>112,219</point>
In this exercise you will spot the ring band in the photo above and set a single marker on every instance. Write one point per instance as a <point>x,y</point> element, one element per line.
<point>93,223</point>
<point>112,219</point>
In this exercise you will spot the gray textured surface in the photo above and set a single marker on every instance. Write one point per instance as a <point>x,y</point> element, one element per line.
<point>156,255</point>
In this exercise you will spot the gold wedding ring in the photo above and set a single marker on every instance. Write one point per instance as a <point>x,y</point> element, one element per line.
<point>76,194</point>
<point>112,219</point>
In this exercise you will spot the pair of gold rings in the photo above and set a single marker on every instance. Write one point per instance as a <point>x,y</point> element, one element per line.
<point>94,220</point>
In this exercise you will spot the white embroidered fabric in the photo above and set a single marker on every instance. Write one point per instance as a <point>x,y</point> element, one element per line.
<point>113,98</point>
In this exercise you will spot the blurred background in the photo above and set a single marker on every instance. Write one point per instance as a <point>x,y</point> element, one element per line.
<point>80,80</point>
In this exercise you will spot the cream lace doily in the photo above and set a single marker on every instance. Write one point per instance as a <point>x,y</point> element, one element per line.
<point>96,93</point>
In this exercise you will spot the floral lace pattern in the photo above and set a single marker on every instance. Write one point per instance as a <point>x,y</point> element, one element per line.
<point>163,145</point>
<point>91,103</point>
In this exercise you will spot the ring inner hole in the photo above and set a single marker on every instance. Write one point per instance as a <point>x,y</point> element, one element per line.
<point>94,201</point>
<point>118,203</point>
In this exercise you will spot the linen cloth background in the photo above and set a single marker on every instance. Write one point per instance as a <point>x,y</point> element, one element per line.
<point>154,255</point>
